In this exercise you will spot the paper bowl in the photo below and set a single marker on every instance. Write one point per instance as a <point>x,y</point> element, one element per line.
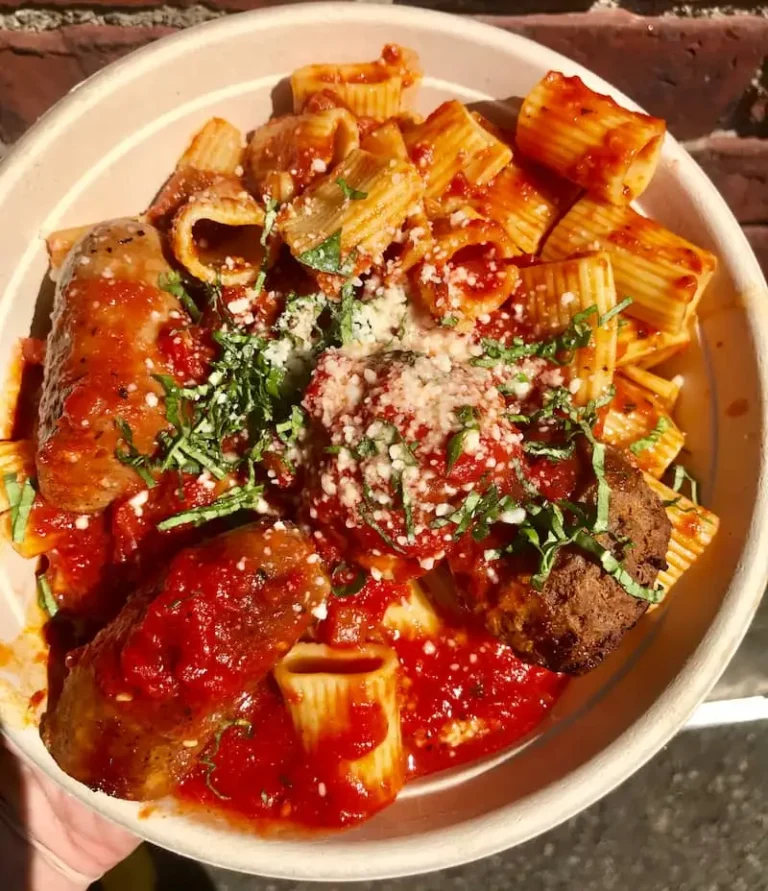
<point>104,150</point>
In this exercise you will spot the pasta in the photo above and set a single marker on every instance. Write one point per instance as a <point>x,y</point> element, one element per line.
<point>641,346</point>
<point>589,139</point>
<point>664,274</point>
<point>463,275</point>
<point>693,528</point>
<point>213,155</point>
<point>453,141</point>
<point>525,201</point>
<point>357,423</point>
<point>285,155</point>
<point>379,89</point>
<point>637,421</point>
<point>666,391</point>
<point>554,293</point>
<point>325,689</point>
<point>385,192</point>
<point>413,616</point>
<point>216,236</point>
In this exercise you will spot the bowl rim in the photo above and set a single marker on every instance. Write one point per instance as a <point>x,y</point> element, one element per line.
<point>542,810</point>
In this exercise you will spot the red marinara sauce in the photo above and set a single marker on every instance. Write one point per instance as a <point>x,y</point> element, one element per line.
<point>463,695</point>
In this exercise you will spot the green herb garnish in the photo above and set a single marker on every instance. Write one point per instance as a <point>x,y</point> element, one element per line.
<point>468,419</point>
<point>236,499</point>
<point>208,761</point>
<point>326,257</point>
<point>349,192</point>
<point>132,457</point>
<point>288,431</point>
<point>559,349</point>
<point>172,283</point>
<point>350,588</point>
<point>20,500</point>
<point>45,598</point>
<point>614,311</point>
<point>662,425</point>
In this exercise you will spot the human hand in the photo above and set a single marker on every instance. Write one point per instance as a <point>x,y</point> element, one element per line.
<point>49,841</point>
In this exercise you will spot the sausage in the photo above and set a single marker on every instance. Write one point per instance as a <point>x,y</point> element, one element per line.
<point>581,614</point>
<point>144,698</point>
<point>102,353</point>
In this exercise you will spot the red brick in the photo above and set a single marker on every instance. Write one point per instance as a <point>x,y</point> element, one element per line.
<point>739,169</point>
<point>758,238</point>
<point>38,68</point>
<point>691,71</point>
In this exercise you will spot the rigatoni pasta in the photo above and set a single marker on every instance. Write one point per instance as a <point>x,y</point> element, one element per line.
<point>452,141</point>
<point>643,346</point>
<point>216,236</point>
<point>693,529</point>
<point>286,154</point>
<point>638,422</point>
<point>379,89</point>
<point>664,274</point>
<point>552,294</point>
<point>366,199</point>
<point>326,690</point>
<point>590,139</point>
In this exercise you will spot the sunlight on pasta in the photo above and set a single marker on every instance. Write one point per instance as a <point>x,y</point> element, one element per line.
<point>663,273</point>
<point>587,138</point>
<point>216,236</point>
<point>328,690</point>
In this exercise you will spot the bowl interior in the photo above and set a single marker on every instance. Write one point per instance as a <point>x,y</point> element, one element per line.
<point>105,151</point>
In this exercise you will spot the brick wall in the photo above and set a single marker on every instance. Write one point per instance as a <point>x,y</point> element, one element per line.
<point>703,68</point>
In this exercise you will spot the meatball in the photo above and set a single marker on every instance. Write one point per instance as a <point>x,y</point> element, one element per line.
<point>406,447</point>
<point>581,613</point>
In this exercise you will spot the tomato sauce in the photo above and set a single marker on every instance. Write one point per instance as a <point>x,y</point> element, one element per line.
<point>463,695</point>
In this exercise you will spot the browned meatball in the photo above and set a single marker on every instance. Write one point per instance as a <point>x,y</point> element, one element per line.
<point>581,613</point>
<point>144,698</point>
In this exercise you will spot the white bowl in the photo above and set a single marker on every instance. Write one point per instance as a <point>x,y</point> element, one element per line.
<point>104,150</point>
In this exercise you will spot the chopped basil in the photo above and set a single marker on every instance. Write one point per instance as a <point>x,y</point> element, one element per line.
<point>367,518</point>
<point>449,322</point>
<point>405,501</point>
<point>555,451</point>
<point>132,457</point>
<point>681,474</point>
<point>326,257</point>
<point>208,761</point>
<point>288,431</point>
<point>559,349</point>
<point>173,284</point>
<point>350,588</point>
<point>616,570</point>
<point>366,448</point>
<point>45,598</point>
<point>662,425</point>
<point>468,419</point>
<point>614,311</point>
<point>349,192</point>
<point>236,499</point>
<point>20,500</point>
<point>270,216</point>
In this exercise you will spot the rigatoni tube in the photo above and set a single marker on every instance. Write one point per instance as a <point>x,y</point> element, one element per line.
<point>332,694</point>
<point>665,275</point>
<point>589,139</point>
<point>553,293</point>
